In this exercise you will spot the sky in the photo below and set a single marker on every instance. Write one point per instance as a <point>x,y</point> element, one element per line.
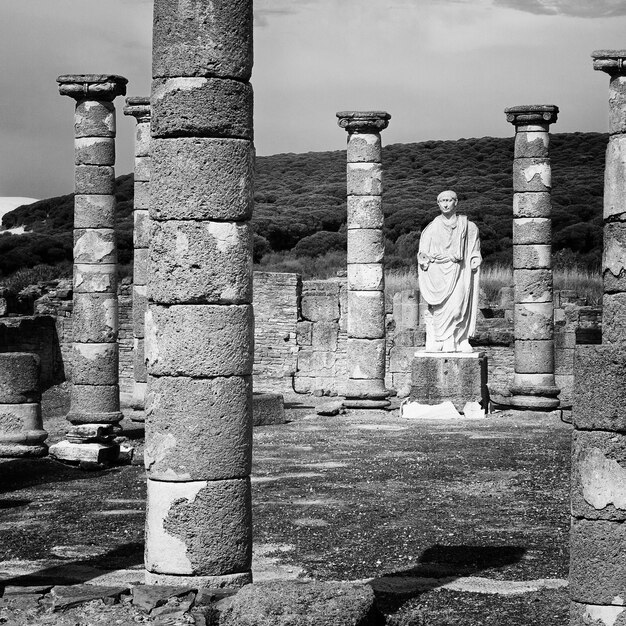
<point>443,69</point>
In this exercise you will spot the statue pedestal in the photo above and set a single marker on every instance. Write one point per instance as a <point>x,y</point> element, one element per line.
<point>458,377</point>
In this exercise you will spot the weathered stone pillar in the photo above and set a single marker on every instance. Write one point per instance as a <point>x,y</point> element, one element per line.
<point>21,427</point>
<point>95,397</point>
<point>139,108</point>
<point>533,385</point>
<point>199,325</point>
<point>598,531</point>
<point>365,357</point>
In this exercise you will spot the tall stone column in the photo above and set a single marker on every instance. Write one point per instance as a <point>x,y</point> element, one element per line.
<point>199,325</point>
<point>95,398</point>
<point>139,108</point>
<point>598,531</point>
<point>365,351</point>
<point>533,385</point>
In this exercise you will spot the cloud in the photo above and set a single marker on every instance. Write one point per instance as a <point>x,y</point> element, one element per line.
<point>572,8</point>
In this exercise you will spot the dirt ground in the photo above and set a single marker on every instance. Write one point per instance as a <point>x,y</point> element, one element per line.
<point>447,517</point>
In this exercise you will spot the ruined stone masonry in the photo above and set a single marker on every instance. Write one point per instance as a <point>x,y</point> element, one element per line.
<point>533,385</point>
<point>366,282</point>
<point>139,108</point>
<point>95,389</point>
<point>597,579</point>
<point>199,325</point>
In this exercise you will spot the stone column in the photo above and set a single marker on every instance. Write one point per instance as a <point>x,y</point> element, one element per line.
<point>365,356</point>
<point>139,108</point>
<point>199,325</point>
<point>598,531</point>
<point>533,384</point>
<point>95,378</point>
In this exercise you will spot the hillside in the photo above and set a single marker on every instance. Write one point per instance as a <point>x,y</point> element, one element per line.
<point>301,201</point>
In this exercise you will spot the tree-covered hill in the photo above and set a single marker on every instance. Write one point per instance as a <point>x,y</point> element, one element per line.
<point>301,201</point>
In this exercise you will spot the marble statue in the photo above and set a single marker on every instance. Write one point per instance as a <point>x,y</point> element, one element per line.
<point>449,260</point>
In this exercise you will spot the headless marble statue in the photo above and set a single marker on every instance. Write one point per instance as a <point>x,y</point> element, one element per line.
<point>449,260</point>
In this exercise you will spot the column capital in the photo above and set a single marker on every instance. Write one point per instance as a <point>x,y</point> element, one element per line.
<point>363,121</point>
<point>532,114</point>
<point>99,87</point>
<point>612,62</point>
<point>138,107</point>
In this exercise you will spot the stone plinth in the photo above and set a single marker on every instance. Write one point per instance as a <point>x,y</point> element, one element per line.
<point>139,108</point>
<point>534,385</point>
<point>268,408</point>
<point>458,377</point>
<point>366,284</point>
<point>21,426</point>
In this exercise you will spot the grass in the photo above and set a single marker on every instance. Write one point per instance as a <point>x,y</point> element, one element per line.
<point>25,277</point>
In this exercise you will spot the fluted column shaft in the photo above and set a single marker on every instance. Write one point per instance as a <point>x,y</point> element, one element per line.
<point>95,376</point>
<point>365,350</point>
<point>597,579</point>
<point>199,325</point>
<point>533,384</point>
<point>139,108</point>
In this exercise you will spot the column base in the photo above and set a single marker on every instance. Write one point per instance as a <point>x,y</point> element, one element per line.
<point>364,403</point>
<point>82,417</point>
<point>10,450</point>
<point>235,581</point>
<point>534,397</point>
<point>366,389</point>
<point>70,452</point>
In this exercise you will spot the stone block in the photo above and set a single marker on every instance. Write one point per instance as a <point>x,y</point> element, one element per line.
<point>564,361</point>
<point>94,119</point>
<point>287,603</point>
<point>449,377</point>
<point>564,339</point>
<point>201,262</point>
<point>142,169</point>
<point>366,314</point>
<point>268,409</point>
<point>140,373</point>
<point>615,178</point>
<point>19,377</point>
<point>94,151</point>
<point>565,382</point>
<point>532,144</point>
<point>94,404</point>
<point>204,39</point>
<point>366,389</point>
<point>614,257</point>
<point>366,276</point>
<point>140,306</point>
<point>89,278</point>
<point>534,356</point>
<point>596,615</point>
<point>532,205</point>
<point>199,527</point>
<point>365,245</point>
<point>198,429</point>
<point>364,179</point>
<point>142,195</point>
<point>401,358</point>
<point>532,286</point>
<point>317,363</point>
<point>599,390</point>
<point>205,107</point>
<point>95,318</point>
<point>365,212</point>
<point>304,333</point>
<point>365,358</point>
<point>320,308</point>
<point>85,452</point>
<point>94,179</point>
<point>532,230</point>
<point>364,148</point>
<point>95,363</point>
<point>406,310</point>
<point>599,475</point>
<point>532,175</point>
<point>201,178</point>
<point>614,318</point>
<point>95,211</point>
<point>597,573</point>
<point>325,335</point>
<point>142,139</point>
<point>532,256</point>
<point>533,321</point>
<point>199,340</point>
<point>95,245</point>
<point>140,266</point>
<point>141,230</point>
